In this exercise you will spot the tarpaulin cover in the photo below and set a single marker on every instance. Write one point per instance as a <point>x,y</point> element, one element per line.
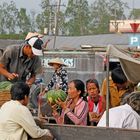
<point>130,65</point>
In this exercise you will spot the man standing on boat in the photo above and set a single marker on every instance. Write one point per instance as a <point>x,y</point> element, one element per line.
<point>21,62</point>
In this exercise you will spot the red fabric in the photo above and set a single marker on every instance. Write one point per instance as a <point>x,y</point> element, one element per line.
<point>91,104</point>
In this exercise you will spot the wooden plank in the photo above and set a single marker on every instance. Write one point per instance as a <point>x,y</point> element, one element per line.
<point>70,132</point>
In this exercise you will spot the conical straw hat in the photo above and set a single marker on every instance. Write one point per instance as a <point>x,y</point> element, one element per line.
<point>56,61</point>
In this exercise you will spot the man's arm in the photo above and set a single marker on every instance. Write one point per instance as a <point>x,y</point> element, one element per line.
<point>5,60</point>
<point>31,80</point>
<point>4,72</point>
<point>26,120</point>
<point>36,69</point>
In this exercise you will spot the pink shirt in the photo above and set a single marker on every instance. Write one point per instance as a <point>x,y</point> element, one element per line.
<point>79,116</point>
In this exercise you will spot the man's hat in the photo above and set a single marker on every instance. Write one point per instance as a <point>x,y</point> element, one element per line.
<point>33,34</point>
<point>56,61</point>
<point>36,44</point>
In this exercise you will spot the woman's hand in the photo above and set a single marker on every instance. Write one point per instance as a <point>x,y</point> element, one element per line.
<point>61,104</point>
<point>93,116</point>
<point>54,111</point>
<point>136,55</point>
<point>42,93</point>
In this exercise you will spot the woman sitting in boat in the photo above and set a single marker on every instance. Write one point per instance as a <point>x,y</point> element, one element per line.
<point>96,103</point>
<point>75,109</point>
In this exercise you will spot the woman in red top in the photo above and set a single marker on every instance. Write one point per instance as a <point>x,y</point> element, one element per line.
<point>96,104</point>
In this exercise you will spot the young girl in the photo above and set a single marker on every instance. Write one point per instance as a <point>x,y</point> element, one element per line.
<point>74,111</point>
<point>96,104</point>
<point>60,77</point>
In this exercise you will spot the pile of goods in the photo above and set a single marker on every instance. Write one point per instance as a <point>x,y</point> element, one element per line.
<point>5,88</point>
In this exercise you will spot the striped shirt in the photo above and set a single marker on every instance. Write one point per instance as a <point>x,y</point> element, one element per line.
<point>78,116</point>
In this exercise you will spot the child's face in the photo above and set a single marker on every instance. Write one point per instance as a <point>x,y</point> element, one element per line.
<point>56,66</point>
<point>92,90</point>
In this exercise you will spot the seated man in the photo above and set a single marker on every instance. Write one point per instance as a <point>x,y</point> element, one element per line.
<point>118,85</point>
<point>16,121</point>
<point>124,116</point>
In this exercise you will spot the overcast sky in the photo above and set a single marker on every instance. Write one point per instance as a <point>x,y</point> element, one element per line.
<point>35,4</point>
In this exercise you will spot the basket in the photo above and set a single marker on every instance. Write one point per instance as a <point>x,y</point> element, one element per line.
<point>4,97</point>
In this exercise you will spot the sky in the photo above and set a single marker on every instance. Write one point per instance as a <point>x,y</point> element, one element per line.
<point>35,4</point>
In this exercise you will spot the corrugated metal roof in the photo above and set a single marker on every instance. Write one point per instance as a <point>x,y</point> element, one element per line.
<point>74,43</point>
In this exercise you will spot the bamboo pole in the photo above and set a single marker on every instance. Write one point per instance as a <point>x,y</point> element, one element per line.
<point>107,90</point>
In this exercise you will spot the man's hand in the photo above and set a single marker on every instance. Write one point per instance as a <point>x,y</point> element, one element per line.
<point>12,76</point>
<point>49,135</point>
<point>54,111</point>
<point>31,80</point>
